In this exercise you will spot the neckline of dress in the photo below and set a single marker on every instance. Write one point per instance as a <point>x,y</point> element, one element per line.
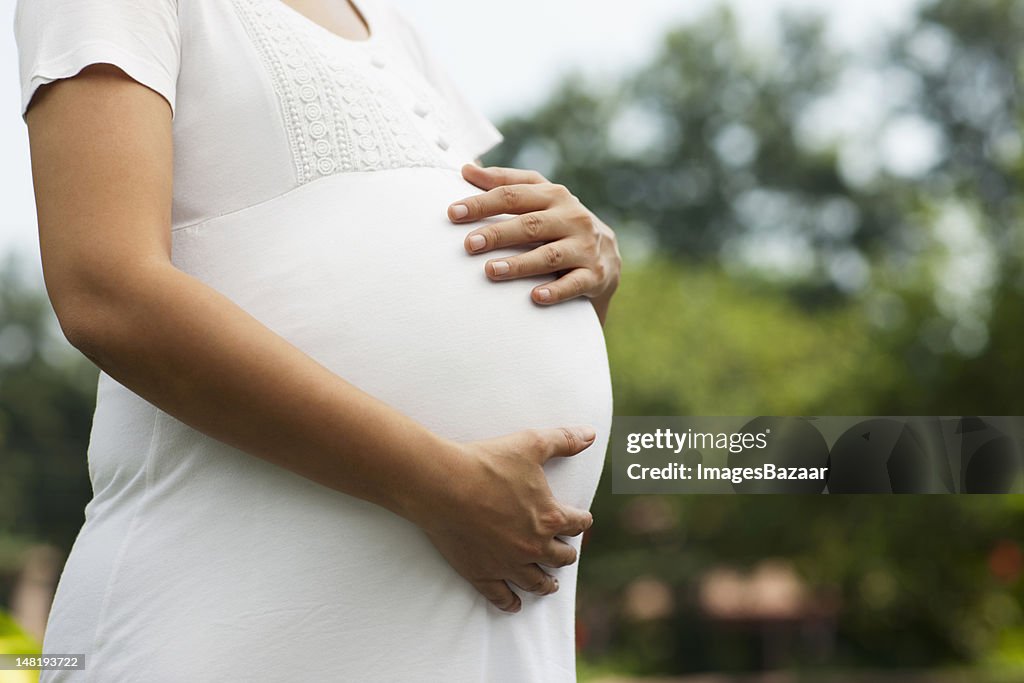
<point>370,23</point>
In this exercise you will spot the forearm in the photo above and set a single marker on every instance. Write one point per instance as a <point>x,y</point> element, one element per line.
<point>193,353</point>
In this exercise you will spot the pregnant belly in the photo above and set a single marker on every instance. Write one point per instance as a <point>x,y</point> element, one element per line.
<point>365,273</point>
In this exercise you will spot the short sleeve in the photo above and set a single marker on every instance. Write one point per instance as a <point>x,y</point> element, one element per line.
<point>58,38</point>
<point>479,134</point>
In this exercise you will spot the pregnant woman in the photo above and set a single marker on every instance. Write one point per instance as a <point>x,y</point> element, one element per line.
<point>354,397</point>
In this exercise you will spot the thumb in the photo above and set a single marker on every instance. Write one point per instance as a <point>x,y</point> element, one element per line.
<point>576,522</point>
<point>563,442</point>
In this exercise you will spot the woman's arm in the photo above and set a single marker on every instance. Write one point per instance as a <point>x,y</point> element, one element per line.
<point>101,149</point>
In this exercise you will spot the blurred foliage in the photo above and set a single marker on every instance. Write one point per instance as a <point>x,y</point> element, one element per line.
<point>47,394</point>
<point>692,341</point>
<point>779,260</point>
<point>13,640</point>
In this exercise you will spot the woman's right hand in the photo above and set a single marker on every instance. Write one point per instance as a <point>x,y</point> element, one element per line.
<point>498,521</point>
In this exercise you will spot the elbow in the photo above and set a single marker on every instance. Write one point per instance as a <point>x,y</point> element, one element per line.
<point>88,310</point>
<point>102,315</point>
<point>104,311</point>
<point>84,297</point>
<point>80,318</point>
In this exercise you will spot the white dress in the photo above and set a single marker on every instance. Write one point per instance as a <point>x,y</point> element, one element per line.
<point>311,181</point>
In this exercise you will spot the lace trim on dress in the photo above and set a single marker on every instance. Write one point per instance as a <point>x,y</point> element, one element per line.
<point>337,119</point>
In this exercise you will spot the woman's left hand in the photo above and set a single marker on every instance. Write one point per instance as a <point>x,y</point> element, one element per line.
<point>578,246</point>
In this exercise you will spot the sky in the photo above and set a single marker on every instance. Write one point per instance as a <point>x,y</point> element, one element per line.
<point>504,57</point>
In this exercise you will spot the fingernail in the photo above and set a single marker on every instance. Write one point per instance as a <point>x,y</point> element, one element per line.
<point>587,433</point>
<point>459,211</point>
<point>544,294</point>
<point>499,267</point>
<point>477,242</point>
<point>555,589</point>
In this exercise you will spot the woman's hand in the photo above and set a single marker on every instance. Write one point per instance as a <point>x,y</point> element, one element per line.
<point>496,519</point>
<point>578,246</point>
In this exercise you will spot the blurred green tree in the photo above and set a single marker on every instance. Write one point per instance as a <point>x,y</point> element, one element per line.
<point>47,395</point>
